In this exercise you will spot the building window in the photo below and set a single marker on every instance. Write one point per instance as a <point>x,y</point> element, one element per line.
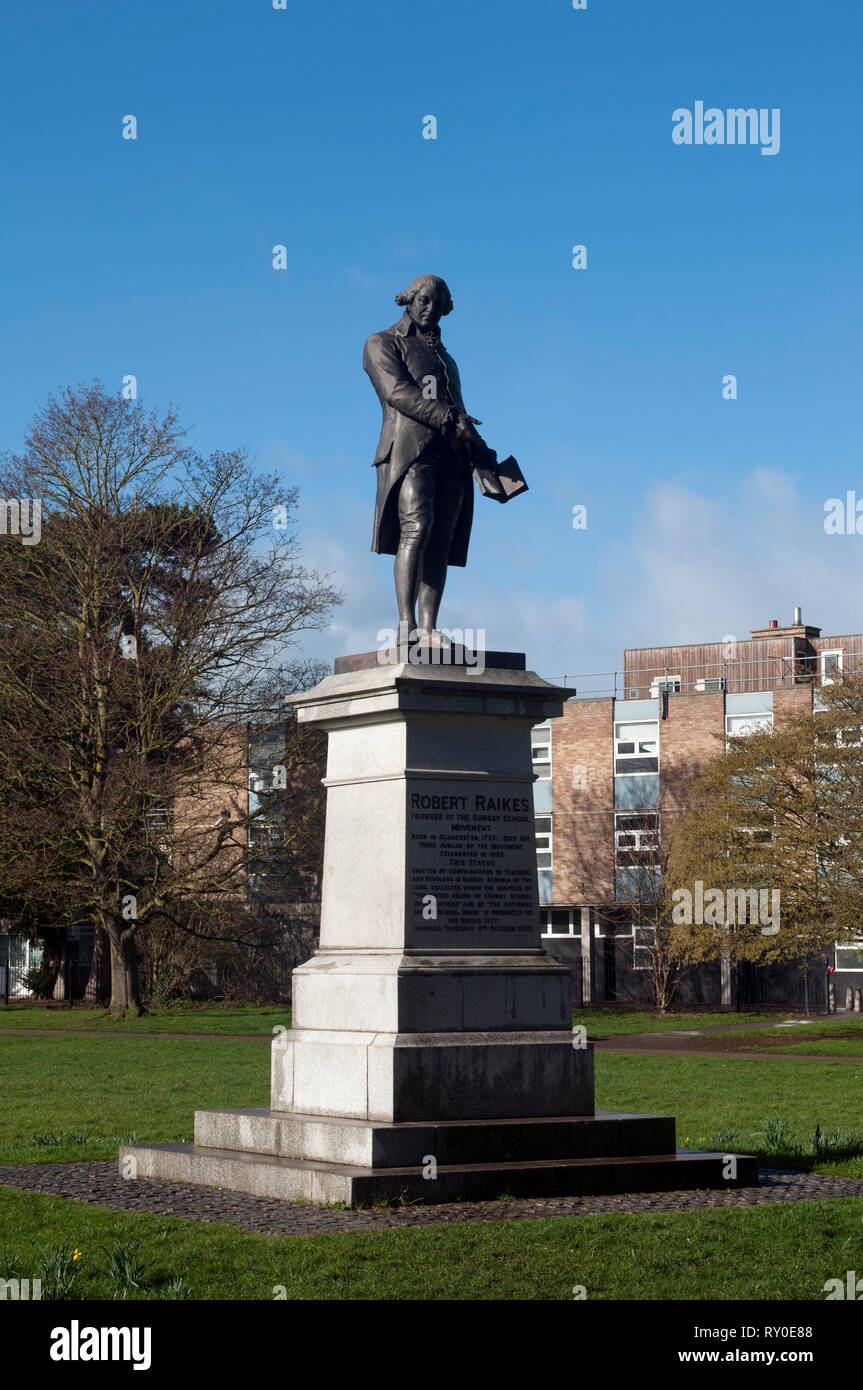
<point>267,864</point>
<point>660,683</point>
<point>742,836</point>
<point>849,955</point>
<point>643,938</point>
<point>540,748</point>
<point>605,927</point>
<point>558,921</point>
<point>638,885</point>
<point>738,725</point>
<point>542,830</point>
<point>636,833</point>
<point>852,737</point>
<point>157,822</point>
<point>831,666</point>
<point>636,747</point>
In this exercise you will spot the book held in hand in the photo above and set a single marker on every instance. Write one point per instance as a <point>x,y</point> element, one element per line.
<point>502,482</point>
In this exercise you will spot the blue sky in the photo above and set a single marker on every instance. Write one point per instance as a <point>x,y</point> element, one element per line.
<point>303,127</point>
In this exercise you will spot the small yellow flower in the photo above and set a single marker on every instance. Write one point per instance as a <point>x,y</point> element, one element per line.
<point>76,1254</point>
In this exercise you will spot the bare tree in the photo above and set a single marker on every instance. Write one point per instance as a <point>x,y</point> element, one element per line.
<point>642,905</point>
<point>158,617</point>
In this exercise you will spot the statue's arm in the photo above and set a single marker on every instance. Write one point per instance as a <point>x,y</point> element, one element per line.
<point>393,382</point>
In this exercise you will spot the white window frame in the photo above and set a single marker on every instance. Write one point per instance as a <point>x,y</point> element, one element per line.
<point>636,928</point>
<point>832,651</point>
<point>543,742</point>
<point>559,932</point>
<point>541,835</point>
<point>843,739</point>
<point>672,684</point>
<point>761,721</point>
<point>157,818</point>
<point>637,754</point>
<point>646,841</point>
<point>159,828</point>
<point>849,946</point>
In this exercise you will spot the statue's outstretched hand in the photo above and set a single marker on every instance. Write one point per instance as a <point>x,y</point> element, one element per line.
<point>464,427</point>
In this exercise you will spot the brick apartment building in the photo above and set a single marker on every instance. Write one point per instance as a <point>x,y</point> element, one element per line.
<point>610,773</point>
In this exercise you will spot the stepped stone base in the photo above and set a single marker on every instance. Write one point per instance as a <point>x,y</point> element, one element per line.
<point>255,1151</point>
<point>370,1145</point>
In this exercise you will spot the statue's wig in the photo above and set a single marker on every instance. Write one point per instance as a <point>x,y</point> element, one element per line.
<point>405,299</point>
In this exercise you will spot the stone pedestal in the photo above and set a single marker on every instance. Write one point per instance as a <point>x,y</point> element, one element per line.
<point>432,1050</point>
<point>429,997</point>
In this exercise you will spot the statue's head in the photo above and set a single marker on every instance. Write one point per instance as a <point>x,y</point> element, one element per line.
<point>427,299</point>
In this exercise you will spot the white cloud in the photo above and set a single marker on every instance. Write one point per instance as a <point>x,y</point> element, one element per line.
<point>700,568</point>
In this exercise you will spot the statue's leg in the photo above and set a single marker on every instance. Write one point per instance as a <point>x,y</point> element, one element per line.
<point>416,513</point>
<point>450,482</point>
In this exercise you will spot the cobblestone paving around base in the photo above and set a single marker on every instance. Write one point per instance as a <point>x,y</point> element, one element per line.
<point>100,1185</point>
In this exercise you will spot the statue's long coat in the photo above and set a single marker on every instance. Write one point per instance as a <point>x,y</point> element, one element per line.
<point>399,363</point>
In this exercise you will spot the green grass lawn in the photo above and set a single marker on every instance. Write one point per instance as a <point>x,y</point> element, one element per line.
<point>67,1098</point>
<point>770,1252</point>
<point>709,1095</point>
<point>205,1018</point>
<point>64,1098</point>
<point>846,1046</point>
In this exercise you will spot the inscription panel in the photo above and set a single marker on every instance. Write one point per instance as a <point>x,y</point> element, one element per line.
<point>471,865</point>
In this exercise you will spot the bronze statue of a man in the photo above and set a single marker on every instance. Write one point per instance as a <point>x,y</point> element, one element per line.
<point>425,456</point>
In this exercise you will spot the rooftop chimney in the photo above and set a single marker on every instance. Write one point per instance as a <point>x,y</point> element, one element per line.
<point>792,630</point>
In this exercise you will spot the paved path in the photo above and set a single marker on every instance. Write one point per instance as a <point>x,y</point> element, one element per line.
<point>696,1042</point>
<point>677,1042</point>
<point>733,1054</point>
<point>719,1028</point>
<point>100,1185</point>
<point>733,1041</point>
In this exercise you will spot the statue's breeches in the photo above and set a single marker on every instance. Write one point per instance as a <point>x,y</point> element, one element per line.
<point>442,488</point>
<point>431,497</point>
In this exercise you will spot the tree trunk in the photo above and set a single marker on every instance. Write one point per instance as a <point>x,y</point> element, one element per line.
<point>94,991</point>
<point>125,985</point>
<point>53,946</point>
